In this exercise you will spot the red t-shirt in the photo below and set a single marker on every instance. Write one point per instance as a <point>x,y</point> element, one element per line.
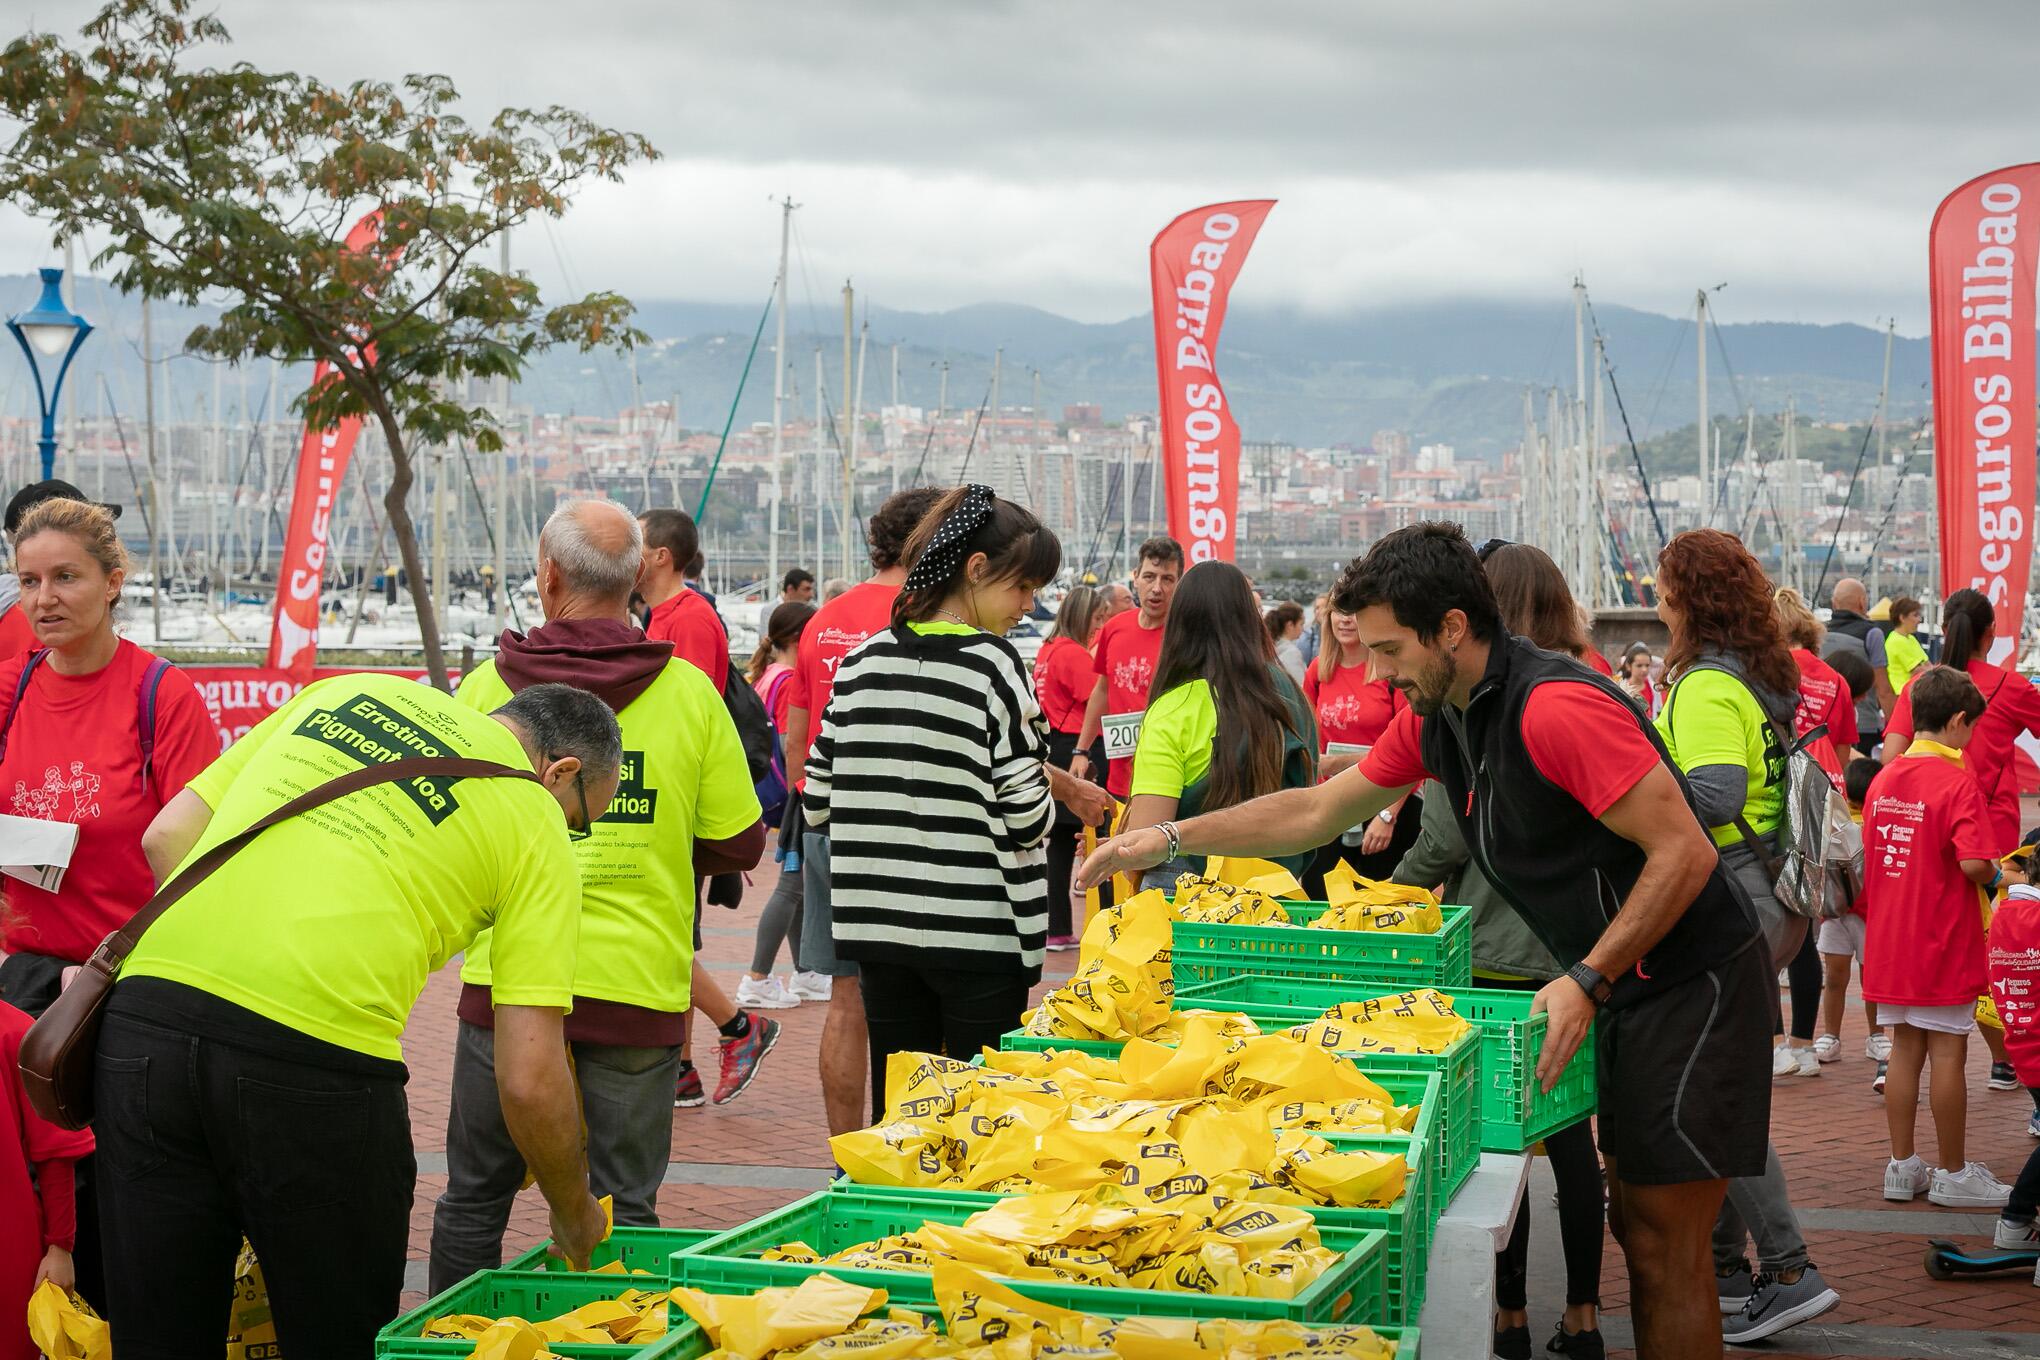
<point>1924,946</point>
<point>1598,662</point>
<point>837,629</point>
<point>2015,980</point>
<point>775,690</point>
<point>1063,681</point>
<point>16,636</point>
<point>1125,653</point>
<point>1582,740</point>
<point>74,754</point>
<point>696,631</point>
<point>2011,705</point>
<point>1823,698</point>
<point>1350,707</point>
<point>32,1223</point>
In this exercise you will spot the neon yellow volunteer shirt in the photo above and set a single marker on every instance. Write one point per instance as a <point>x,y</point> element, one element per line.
<point>1175,741</point>
<point>1718,723</point>
<point>1902,656</point>
<point>684,775</point>
<point>330,922</point>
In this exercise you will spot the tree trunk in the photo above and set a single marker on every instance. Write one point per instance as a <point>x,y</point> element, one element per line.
<point>407,550</point>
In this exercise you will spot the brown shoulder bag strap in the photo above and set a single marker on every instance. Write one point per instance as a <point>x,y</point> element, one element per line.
<point>122,942</point>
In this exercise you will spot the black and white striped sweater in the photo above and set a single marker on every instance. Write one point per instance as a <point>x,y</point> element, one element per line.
<point>927,775</point>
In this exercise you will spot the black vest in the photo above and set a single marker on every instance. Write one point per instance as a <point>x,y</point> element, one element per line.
<point>1564,873</point>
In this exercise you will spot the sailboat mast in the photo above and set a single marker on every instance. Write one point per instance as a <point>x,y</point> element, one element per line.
<point>1579,530</point>
<point>500,492</point>
<point>1597,575</point>
<point>1701,334</point>
<point>155,481</point>
<point>846,438</point>
<point>778,399</point>
<point>850,460</point>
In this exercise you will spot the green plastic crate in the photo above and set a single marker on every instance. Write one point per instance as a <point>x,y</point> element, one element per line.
<point>1353,1290</point>
<point>1514,1113</point>
<point>1206,953</point>
<point>644,1249</point>
<point>535,1295</point>
<point>693,1343</point>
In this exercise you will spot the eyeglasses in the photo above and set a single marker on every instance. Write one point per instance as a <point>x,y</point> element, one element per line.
<point>587,826</point>
<point>1487,549</point>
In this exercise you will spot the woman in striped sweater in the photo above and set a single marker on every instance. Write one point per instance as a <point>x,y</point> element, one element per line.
<point>929,774</point>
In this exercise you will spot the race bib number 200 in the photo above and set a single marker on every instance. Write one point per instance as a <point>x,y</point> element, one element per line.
<point>1122,734</point>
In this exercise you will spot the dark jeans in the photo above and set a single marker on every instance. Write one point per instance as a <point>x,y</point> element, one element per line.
<point>1806,975</point>
<point>627,1104</point>
<point>201,1142</point>
<point>935,1010</point>
<point>2025,1200</point>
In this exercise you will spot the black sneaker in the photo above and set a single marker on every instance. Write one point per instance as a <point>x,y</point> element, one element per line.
<point>1586,1345</point>
<point>2003,1078</point>
<point>1512,1343</point>
<point>1774,1306</point>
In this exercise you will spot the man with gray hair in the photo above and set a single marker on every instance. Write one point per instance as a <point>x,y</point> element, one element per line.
<point>685,806</point>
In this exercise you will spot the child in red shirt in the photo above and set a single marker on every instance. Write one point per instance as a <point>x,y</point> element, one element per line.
<point>1928,845</point>
<point>2015,988</point>
<point>38,1216</point>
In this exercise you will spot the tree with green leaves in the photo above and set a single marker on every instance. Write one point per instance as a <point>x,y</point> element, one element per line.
<point>232,185</point>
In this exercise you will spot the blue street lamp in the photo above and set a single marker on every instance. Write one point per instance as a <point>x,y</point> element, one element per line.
<point>44,332</point>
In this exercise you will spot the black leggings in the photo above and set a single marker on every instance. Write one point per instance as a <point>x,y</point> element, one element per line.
<point>1582,1210</point>
<point>1063,845</point>
<point>2025,1200</point>
<point>934,1010</point>
<point>1805,973</point>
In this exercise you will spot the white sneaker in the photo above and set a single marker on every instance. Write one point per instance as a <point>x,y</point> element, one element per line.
<point>1907,1180</point>
<point>2016,1236</point>
<point>1827,1048</point>
<point>1973,1187</point>
<point>813,986</point>
<point>1787,1061</point>
<point>765,994</point>
<point>1877,1048</point>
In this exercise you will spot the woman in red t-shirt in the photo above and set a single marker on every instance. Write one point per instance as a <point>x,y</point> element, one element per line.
<point>2011,705</point>
<point>1824,697</point>
<point>1063,680</point>
<point>74,728</point>
<point>1353,710</point>
<point>771,676</point>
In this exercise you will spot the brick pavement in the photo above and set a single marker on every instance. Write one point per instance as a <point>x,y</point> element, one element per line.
<point>1829,1132</point>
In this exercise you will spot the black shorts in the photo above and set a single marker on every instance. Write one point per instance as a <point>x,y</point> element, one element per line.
<point>1685,1077</point>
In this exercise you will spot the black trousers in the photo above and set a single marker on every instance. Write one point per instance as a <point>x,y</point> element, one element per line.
<point>202,1142</point>
<point>935,1010</point>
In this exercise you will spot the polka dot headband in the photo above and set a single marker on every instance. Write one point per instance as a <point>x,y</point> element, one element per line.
<point>952,539</point>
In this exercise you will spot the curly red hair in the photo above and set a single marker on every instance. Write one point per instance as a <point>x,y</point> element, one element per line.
<point>1722,601</point>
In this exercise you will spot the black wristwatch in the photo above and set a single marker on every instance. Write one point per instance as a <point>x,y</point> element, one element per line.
<point>1597,988</point>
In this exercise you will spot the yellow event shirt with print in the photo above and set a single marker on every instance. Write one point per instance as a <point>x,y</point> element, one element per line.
<point>330,922</point>
<point>684,775</point>
<point>1711,718</point>
<point>1175,741</point>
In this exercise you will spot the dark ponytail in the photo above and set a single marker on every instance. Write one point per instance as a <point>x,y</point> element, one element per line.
<point>1966,620</point>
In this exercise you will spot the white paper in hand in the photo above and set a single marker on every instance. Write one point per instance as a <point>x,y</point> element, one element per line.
<point>36,851</point>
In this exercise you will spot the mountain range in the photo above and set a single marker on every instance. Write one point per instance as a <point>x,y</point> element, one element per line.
<point>1447,372</point>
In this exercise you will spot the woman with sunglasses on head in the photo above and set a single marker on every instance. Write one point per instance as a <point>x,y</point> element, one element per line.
<point>930,773</point>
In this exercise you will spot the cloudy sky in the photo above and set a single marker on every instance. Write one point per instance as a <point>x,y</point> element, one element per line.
<point>947,152</point>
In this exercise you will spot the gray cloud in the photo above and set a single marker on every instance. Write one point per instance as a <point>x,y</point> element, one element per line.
<point>952,152</point>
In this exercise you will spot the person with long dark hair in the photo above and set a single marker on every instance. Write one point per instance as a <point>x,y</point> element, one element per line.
<point>1354,707</point>
<point>1226,724</point>
<point>1535,603</point>
<point>1734,686</point>
<point>930,773</point>
<point>1063,680</point>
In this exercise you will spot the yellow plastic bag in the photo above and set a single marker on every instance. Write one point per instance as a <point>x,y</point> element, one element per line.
<point>1352,1180</point>
<point>1360,903</point>
<point>1259,875</point>
<point>777,1318</point>
<point>1420,1021</point>
<point>64,1327</point>
<point>1122,986</point>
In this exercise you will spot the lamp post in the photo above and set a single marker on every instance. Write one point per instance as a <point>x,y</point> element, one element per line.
<point>48,330</point>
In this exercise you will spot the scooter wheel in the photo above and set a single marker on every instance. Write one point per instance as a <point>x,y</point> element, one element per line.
<point>1937,1265</point>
